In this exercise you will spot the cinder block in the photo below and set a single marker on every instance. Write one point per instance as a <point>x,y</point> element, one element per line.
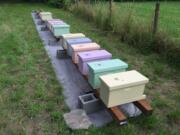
<point>37,16</point>
<point>52,42</point>
<point>61,54</point>
<point>44,28</point>
<point>40,22</point>
<point>90,103</point>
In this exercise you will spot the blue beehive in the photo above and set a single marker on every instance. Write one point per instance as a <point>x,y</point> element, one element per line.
<point>76,41</point>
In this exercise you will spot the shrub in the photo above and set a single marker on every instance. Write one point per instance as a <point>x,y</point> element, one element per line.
<point>60,3</point>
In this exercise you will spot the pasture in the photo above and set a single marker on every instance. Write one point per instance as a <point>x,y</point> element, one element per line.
<point>31,100</point>
<point>169,17</point>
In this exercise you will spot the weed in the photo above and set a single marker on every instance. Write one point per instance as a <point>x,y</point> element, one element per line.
<point>174,116</point>
<point>33,109</point>
<point>55,116</point>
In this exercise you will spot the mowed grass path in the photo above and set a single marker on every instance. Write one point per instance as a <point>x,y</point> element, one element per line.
<point>169,17</point>
<point>31,100</point>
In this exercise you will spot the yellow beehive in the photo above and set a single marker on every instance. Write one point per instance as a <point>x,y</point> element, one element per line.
<point>69,36</point>
<point>123,87</point>
<point>45,16</point>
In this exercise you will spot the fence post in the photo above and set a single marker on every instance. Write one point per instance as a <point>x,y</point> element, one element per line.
<point>156,18</point>
<point>110,11</point>
<point>77,2</point>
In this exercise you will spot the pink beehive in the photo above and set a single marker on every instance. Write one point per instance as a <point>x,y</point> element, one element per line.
<point>82,48</point>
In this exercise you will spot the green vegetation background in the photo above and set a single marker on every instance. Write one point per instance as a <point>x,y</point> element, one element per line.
<point>31,99</point>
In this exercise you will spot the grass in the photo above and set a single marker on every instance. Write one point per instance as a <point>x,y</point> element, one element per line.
<point>132,23</point>
<point>168,20</point>
<point>31,100</point>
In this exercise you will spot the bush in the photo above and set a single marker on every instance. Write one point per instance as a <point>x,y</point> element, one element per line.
<point>60,3</point>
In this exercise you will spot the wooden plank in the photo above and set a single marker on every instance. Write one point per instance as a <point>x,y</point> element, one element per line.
<point>119,115</point>
<point>116,112</point>
<point>86,77</point>
<point>144,106</point>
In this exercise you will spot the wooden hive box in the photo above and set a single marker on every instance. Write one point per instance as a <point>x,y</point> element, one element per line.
<point>121,88</point>
<point>82,48</point>
<point>76,41</point>
<point>59,29</point>
<point>90,56</point>
<point>45,16</point>
<point>52,22</point>
<point>70,36</point>
<point>99,68</point>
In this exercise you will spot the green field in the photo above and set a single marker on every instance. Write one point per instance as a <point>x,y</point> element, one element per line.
<point>31,100</point>
<point>169,18</point>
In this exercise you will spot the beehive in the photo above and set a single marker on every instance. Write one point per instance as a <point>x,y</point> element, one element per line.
<point>123,87</point>
<point>81,48</point>
<point>75,41</point>
<point>70,36</point>
<point>60,29</point>
<point>54,22</point>
<point>90,56</point>
<point>45,16</point>
<point>99,68</point>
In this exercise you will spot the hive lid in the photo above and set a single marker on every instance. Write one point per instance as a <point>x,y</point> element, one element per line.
<point>93,55</point>
<point>123,79</point>
<point>45,13</point>
<point>78,40</point>
<point>56,24</point>
<point>73,35</point>
<point>60,25</point>
<point>85,46</point>
<point>54,20</point>
<point>107,65</point>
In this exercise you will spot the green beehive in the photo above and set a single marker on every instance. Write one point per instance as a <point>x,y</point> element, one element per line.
<point>104,67</point>
<point>59,30</point>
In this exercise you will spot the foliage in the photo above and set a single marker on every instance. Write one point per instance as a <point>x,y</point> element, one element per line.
<point>143,0</point>
<point>31,100</point>
<point>60,3</point>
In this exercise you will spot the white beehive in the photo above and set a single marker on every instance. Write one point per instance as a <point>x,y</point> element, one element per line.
<point>121,88</point>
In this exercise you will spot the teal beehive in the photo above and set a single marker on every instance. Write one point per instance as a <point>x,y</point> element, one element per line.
<point>59,30</point>
<point>99,68</point>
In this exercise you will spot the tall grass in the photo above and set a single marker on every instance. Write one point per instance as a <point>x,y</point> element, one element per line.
<point>130,29</point>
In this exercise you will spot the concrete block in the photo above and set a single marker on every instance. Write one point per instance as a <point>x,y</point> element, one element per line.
<point>40,22</point>
<point>44,28</point>
<point>61,54</point>
<point>37,16</point>
<point>90,103</point>
<point>52,42</point>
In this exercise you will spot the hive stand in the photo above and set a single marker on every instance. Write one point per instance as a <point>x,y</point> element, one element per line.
<point>62,54</point>
<point>116,112</point>
<point>44,28</point>
<point>144,106</point>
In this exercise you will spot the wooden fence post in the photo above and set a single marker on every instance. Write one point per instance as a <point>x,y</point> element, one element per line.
<point>156,18</point>
<point>77,2</point>
<point>110,11</point>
